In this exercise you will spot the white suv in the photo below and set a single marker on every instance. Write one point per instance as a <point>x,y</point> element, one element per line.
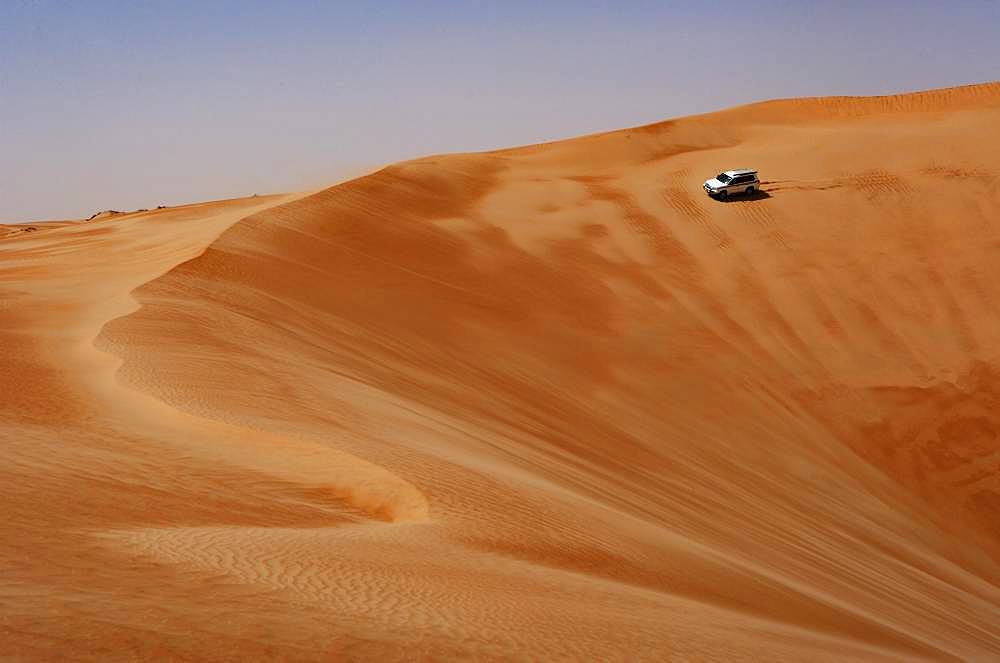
<point>731,182</point>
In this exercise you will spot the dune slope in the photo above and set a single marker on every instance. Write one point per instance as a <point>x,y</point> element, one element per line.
<point>545,403</point>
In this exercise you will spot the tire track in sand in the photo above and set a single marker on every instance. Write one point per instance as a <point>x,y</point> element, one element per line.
<point>677,197</point>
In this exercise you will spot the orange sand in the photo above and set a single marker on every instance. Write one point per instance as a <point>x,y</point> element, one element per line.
<point>546,403</point>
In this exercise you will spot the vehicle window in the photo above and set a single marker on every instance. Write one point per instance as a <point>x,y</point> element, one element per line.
<point>742,179</point>
<point>722,177</point>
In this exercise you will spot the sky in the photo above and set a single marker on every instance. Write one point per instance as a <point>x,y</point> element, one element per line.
<point>126,105</point>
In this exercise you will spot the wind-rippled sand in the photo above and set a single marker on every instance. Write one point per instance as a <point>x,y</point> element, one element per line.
<point>545,403</point>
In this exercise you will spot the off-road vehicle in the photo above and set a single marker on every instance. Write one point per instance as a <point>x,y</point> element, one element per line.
<point>732,182</point>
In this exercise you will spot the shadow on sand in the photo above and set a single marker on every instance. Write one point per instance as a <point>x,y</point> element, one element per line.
<point>744,198</point>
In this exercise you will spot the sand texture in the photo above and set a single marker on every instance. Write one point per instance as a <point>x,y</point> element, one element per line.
<point>548,403</point>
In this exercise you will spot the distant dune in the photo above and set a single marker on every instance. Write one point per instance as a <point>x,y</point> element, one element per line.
<point>547,403</point>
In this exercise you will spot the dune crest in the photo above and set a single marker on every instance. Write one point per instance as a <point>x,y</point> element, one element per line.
<point>549,402</point>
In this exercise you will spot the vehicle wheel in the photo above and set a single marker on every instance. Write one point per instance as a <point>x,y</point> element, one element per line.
<point>749,190</point>
<point>723,194</point>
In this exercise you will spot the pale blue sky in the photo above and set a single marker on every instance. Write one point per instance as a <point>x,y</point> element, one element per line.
<point>126,104</point>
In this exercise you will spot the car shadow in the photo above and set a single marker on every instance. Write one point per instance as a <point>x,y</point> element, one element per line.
<point>738,198</point>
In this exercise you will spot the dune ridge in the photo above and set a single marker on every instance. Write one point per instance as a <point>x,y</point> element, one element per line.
<point>548,402</point>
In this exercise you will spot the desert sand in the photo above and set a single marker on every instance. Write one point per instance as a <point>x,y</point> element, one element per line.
<point>547,403</point>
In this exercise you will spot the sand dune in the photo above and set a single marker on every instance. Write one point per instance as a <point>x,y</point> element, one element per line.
<point>548,403</point>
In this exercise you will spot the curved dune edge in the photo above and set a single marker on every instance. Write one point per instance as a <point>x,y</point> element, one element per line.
<point>647,425</point>
<point>361,485</point>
